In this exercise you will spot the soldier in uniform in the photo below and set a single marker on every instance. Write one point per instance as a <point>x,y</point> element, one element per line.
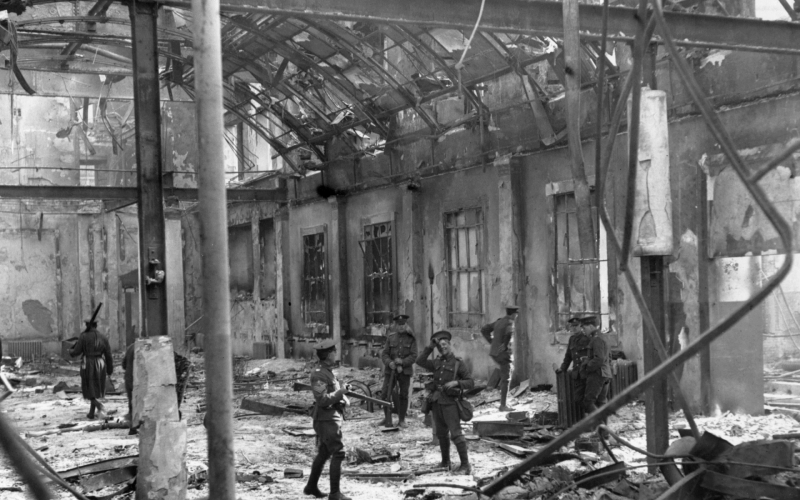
<point>596,366</point>
<point>448,382</point>
<point>398,357</point>
<point>577,350</point>
<point>96,363</point>
<point>501,335</point>
<point>330,401</point>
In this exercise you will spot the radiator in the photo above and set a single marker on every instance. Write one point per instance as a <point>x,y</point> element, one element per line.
<point>25,349</point>
<point>262,350</point>
<point>571,411</point>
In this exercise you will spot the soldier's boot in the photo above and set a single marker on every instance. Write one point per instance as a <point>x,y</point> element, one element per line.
<point>90,415</point>
<point>312,487</point>
<point>504,398</point>
<point>444,446</point>
<point>465,468</point>
<point>336,476</point>
<point>387,418</point>
<point>101,409</point>
<point>401,413</point>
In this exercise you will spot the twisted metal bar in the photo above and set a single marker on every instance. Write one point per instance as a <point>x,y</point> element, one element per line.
<point>10,442</point>
<point>782,228</point>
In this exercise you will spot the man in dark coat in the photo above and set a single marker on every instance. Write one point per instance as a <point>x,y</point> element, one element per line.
<point>330,401</point>
<point>501,335</point>
<point>577,351</point>
<point>596,366</point>
<point>95,364</point>
<point>451,377</point>
<point>399,353</point>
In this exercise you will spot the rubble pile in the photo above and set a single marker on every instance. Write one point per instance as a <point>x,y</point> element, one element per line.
<point>275,443</point>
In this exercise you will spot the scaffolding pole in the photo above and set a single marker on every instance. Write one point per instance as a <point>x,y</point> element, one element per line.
<point>214,243</point>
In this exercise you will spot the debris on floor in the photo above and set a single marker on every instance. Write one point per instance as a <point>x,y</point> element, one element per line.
<point>275,444</point>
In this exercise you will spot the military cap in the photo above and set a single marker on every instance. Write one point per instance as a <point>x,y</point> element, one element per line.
<point>590,320</point>
<point>511,309</point>
<point>441,334</point>
<point>574,320</point>
<point>89,322</point>
<point>325,345</point>
<point>400,317</point>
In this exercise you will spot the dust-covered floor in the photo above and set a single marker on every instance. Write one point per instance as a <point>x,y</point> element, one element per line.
<point>265,448</point>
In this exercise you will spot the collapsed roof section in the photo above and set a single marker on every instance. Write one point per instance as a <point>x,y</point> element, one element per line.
<point>300,82</point>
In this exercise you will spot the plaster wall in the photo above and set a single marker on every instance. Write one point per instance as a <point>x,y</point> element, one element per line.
<point>476,187</point>
<point>306,216</point>
<point>253,318</point>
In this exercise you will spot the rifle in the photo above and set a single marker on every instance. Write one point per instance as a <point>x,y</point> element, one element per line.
<point>96,312</point>
<point>305,387</point>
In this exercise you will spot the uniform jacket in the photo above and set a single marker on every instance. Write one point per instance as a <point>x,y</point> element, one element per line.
<point>443,369</point>
<point>502,336</point>
<point>328,395</point>
<point>577,348</point>
<point>400,344</point>
<point>96,362</point>
<point>598,362</point>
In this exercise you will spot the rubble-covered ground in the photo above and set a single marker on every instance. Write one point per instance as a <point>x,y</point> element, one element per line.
<point>264,448</point>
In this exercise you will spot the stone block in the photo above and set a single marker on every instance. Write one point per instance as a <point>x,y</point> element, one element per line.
<point>154,396</point>
<point>162,458</point>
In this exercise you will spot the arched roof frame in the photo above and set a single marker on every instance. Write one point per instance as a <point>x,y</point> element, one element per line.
<point>312,78</point>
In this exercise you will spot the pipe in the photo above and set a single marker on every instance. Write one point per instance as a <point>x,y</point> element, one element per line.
<point>633,134</point>
<point>10,442</point>
<point>779,223</point>
<point>214,243</point>
<point>647,318</point>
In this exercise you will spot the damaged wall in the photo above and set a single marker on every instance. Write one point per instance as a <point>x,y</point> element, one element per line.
<point>256,306</point>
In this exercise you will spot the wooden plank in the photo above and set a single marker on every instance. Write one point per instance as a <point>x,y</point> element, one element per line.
<point>744,488</point>
<point>110,478</point>
<point>102,466</point>
<point>269,409</point>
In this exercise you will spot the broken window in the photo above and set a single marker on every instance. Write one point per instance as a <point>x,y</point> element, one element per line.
<point>464,248</point>
<point>240,257</point>
<point>378,273</point>
<point>581,284</point>
<point>87,172</point>
<point>315,283</point>
<point>268,276</point>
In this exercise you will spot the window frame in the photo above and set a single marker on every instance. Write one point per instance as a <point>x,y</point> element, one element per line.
<point>366,222</point>
<point>602,283</point>
<point>315,328</point>
<point>480,268</point>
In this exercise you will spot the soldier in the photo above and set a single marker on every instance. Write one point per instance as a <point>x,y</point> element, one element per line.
<point>502,350</point>
<point>577,350</point>
<point>596,366</point>
<point>398,357</point>
<point>330,401</point>
<point>448,383</point>
<point>96,363</point>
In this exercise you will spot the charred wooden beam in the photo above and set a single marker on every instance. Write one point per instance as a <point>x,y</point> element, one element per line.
<point>535,17</point>
<point>128,193</point>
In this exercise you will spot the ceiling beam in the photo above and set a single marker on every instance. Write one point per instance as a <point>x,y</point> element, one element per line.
<point>535,17</point>
<point>128,193</point>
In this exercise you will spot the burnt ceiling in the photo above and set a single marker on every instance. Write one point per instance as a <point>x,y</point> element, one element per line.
<point>298,81</point>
